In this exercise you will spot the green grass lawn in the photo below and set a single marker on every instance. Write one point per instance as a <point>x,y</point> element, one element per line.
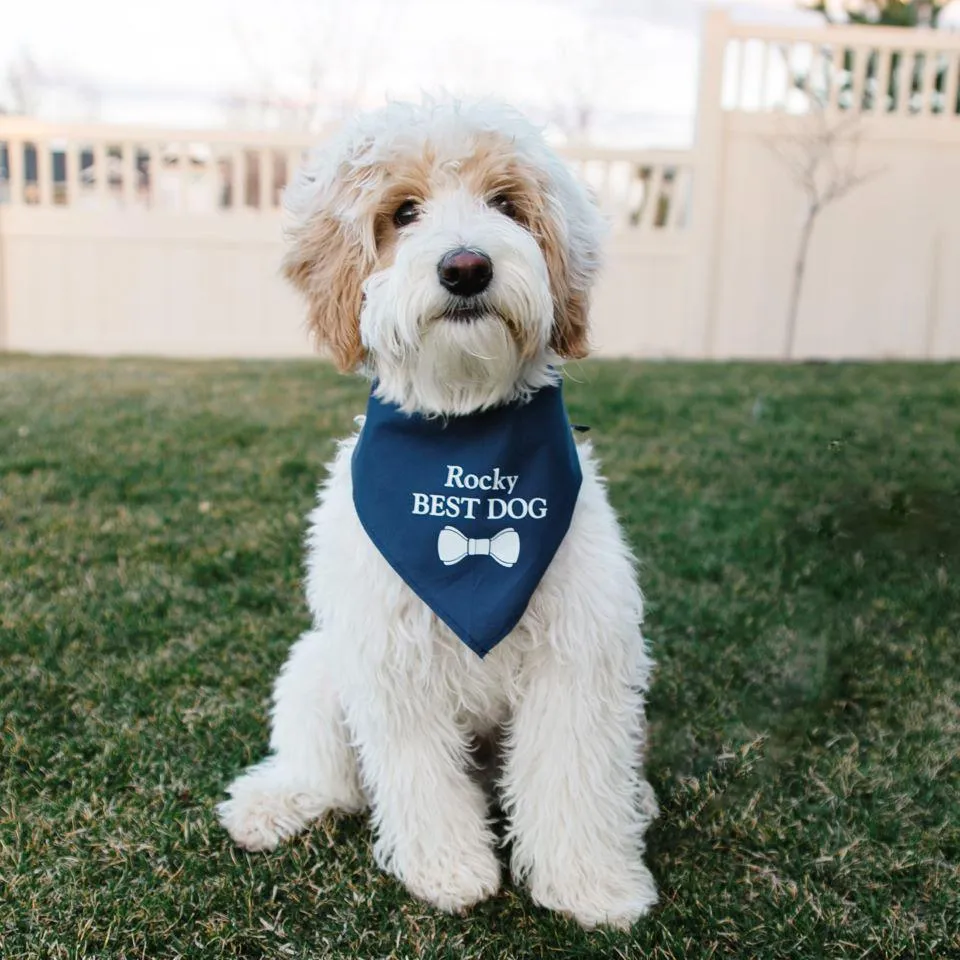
<point>799,530</point>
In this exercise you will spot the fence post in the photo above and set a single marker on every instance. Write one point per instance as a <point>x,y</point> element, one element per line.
<point>708,164</point>
<point>4,308</point>
<point>11,145</point>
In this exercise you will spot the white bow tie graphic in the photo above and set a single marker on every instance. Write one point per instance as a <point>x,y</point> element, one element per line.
<point>453,546</point>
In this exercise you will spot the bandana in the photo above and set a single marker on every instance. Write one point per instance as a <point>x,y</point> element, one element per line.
<point>469,510</point>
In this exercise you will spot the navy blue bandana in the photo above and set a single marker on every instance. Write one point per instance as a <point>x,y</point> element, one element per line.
<point>469,510</point>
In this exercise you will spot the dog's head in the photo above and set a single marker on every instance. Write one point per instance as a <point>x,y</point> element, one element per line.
<point>446,250</point>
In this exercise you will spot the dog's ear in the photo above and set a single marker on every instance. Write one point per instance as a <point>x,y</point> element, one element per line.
<point>571,232</point>
<point>329,254</point>
<point>571,299</point>
<point>328,263</point>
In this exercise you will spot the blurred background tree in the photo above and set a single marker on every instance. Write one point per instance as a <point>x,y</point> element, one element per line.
<point>883,13</point>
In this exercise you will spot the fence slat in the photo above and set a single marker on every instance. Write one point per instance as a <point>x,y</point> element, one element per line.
<point>15,162</point>
<point>764,78</point>
<point>824,57</point>
<point>183,177</point>
<point>153,175</point>
<point>100,170</point>
<point>739,100</point>
<point>835,73</point>
<point>951,86</point>
<point>128,174</point>
<point>884,66</point>
<point>858,77</point>
<point>799,80</point>
<point>677,200</point>
<point>237,198</point>
<point>44,173</point>
<point>265,166</point>
<point>780,92</point>
<point>651,203</point>
<point>71,160</point>
<point>930,60</point>
<point>905,83</point>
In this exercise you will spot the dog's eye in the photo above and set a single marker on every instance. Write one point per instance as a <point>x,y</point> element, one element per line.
<point>505,205</point>
<point>408,212</point>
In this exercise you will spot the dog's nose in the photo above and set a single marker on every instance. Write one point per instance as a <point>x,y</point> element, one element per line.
<point>465,272</point>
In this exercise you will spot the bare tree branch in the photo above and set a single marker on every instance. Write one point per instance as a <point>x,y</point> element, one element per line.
<point>336,47</point>
<point>822,158</point>
<point>24,85</point>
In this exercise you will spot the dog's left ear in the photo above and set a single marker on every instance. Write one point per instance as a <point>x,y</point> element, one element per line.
<point>328,264</point>
<point>571,234</point>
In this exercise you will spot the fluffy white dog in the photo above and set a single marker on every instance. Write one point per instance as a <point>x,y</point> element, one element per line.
<point>448,254</point>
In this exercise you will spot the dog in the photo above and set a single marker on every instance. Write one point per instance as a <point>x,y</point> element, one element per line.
<point>447,253</point>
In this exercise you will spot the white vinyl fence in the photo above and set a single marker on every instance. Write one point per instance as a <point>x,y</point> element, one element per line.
<point>117,240</point>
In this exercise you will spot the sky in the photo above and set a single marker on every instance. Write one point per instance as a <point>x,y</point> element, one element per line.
<point>176,63</point>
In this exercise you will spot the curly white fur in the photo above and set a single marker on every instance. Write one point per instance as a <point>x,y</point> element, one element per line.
<point>379,703</point>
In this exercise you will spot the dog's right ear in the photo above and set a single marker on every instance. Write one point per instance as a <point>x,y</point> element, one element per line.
<point>328,262</point>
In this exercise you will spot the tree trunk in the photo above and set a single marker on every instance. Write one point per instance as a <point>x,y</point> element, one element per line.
<point>799,270</point>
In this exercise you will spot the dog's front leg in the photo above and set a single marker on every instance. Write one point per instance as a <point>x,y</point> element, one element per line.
<point>572,784</point>
<point>312,768</point>
<point>430,816</point>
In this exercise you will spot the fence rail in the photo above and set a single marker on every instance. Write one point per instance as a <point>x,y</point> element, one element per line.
<point>885,71</point>
<point>200,171</point>
<point>116,168</point>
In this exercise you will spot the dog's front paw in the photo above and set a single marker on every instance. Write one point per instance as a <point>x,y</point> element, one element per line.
<point>262,810</point>
<point>612,899</point>
<point>253,826</point>
<point>452,880</point>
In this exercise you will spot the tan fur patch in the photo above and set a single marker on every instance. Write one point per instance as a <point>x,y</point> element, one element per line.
<point>328,264</point>
<point>330,258</point>
<point>409,179</point>
<point>570,305</point>
<point>494,170</point>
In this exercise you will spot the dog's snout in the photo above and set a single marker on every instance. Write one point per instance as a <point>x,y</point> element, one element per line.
<point>465,272</point>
